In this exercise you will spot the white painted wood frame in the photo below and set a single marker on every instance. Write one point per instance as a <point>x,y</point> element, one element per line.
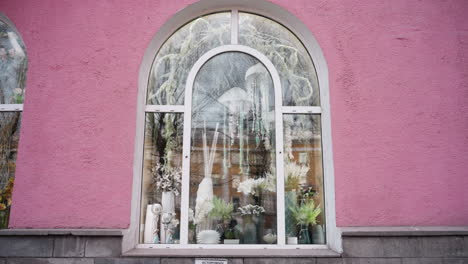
<point>267,9</point>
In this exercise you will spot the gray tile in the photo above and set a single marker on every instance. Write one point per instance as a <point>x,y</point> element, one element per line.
<point>329,260</point>
<point>235,261</point>
<point>280,260</point>
<point>103,246</point>
<point>456,261</point>
<point>402,246</point>
<point>362,247</point>
<point>446,246</point>
<point>177,261</point>
<point>127,261</point>
<point>69,246</point>
<point>50,261</point>
<point>372,261</point>
<point>2,261</point>
<point>26,246</point>
<point>422,260</point>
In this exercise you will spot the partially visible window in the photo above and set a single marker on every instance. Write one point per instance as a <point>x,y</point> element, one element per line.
<point>13,67</point>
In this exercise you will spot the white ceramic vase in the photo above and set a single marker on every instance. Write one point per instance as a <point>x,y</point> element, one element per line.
<point>151,223</point>
<point>168,206</point>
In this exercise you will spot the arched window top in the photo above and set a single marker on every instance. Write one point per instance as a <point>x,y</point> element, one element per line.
<point>13,64</point>
<point>178,54</point>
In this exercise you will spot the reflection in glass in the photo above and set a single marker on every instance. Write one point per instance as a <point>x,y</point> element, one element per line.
<point>232,167</point>
<point>162,176</point>
<point>178,54</point>
<point>9,135</point>
<point>304,202</point>
<point>13,66</point>
<point>293,63</point>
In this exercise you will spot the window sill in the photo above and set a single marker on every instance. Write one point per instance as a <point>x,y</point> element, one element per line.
<point>226,253</point>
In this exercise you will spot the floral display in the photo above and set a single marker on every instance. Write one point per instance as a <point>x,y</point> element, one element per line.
<point>250,209</point>
<point>256,186</point>
<point>167,179</point>
<point>5,203</point>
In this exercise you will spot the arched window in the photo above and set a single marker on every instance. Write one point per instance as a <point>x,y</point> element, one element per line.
<point>13,66</point>
<point>231,152</point>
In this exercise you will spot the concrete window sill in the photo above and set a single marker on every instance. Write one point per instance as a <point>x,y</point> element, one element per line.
<point>226,253</point>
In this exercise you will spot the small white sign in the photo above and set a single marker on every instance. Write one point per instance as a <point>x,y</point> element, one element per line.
<point>211,261</point>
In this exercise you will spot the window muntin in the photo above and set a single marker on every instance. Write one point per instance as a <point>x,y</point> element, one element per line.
<point>187,213</point>
<point>13,67</point>
<point>292,61</point>
<point>178,54</point>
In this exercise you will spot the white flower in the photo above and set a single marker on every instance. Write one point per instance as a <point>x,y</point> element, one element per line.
<point>254,186</point>
<point>249,209</point>
<point>202,210</point>
<point>296,171</point>
<point>167,179</point>
<point>190,215</point>
<point>18,91</point>
<point>175,222</point>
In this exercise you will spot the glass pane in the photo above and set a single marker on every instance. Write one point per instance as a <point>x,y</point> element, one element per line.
<point>304,196</point>
<point>178,54</point>
<point>286,52</point>
<point>162,176</point>
<point>232,167</point>
<point>13,66</point>
<point>10,123</point>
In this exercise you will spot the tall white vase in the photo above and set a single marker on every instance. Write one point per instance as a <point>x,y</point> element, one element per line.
<point>168,206</point>
<point>151,222</point>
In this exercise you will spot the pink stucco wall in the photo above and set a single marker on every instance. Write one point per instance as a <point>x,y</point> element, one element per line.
<point>399,101</point>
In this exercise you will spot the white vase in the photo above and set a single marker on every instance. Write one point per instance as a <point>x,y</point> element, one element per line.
<point>231,241</point>
<point>151,222</point>
<point>318,236</point>
<point>168,206</point>
<point>292,241</point>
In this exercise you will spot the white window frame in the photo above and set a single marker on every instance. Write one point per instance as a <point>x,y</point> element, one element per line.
<point>267,9</point>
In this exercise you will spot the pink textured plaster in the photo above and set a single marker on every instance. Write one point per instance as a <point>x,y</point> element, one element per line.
<point>399,101</point>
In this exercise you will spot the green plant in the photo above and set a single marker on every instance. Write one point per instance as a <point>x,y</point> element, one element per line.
<point>231,233</point>
<point>221,209</point>
<point>306,213</point>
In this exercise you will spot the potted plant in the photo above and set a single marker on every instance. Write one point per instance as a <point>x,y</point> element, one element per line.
<point>221,211</point>
<point>305,215</point>
<point>231,235</point>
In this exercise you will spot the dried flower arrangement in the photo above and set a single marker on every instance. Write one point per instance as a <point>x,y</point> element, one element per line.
<point>167,179</point>
<point>5,202</point>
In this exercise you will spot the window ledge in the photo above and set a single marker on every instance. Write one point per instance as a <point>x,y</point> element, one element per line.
<point>404,231</point>
<point>225,253</point>
<point>60,232</point>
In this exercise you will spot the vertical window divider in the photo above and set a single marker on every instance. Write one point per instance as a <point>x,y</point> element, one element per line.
<point>234,27</point>
<point>281,221</point>
<point>185,192</point>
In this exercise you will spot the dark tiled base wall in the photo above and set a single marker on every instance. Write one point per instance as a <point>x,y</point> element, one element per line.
<point>358,249</point>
